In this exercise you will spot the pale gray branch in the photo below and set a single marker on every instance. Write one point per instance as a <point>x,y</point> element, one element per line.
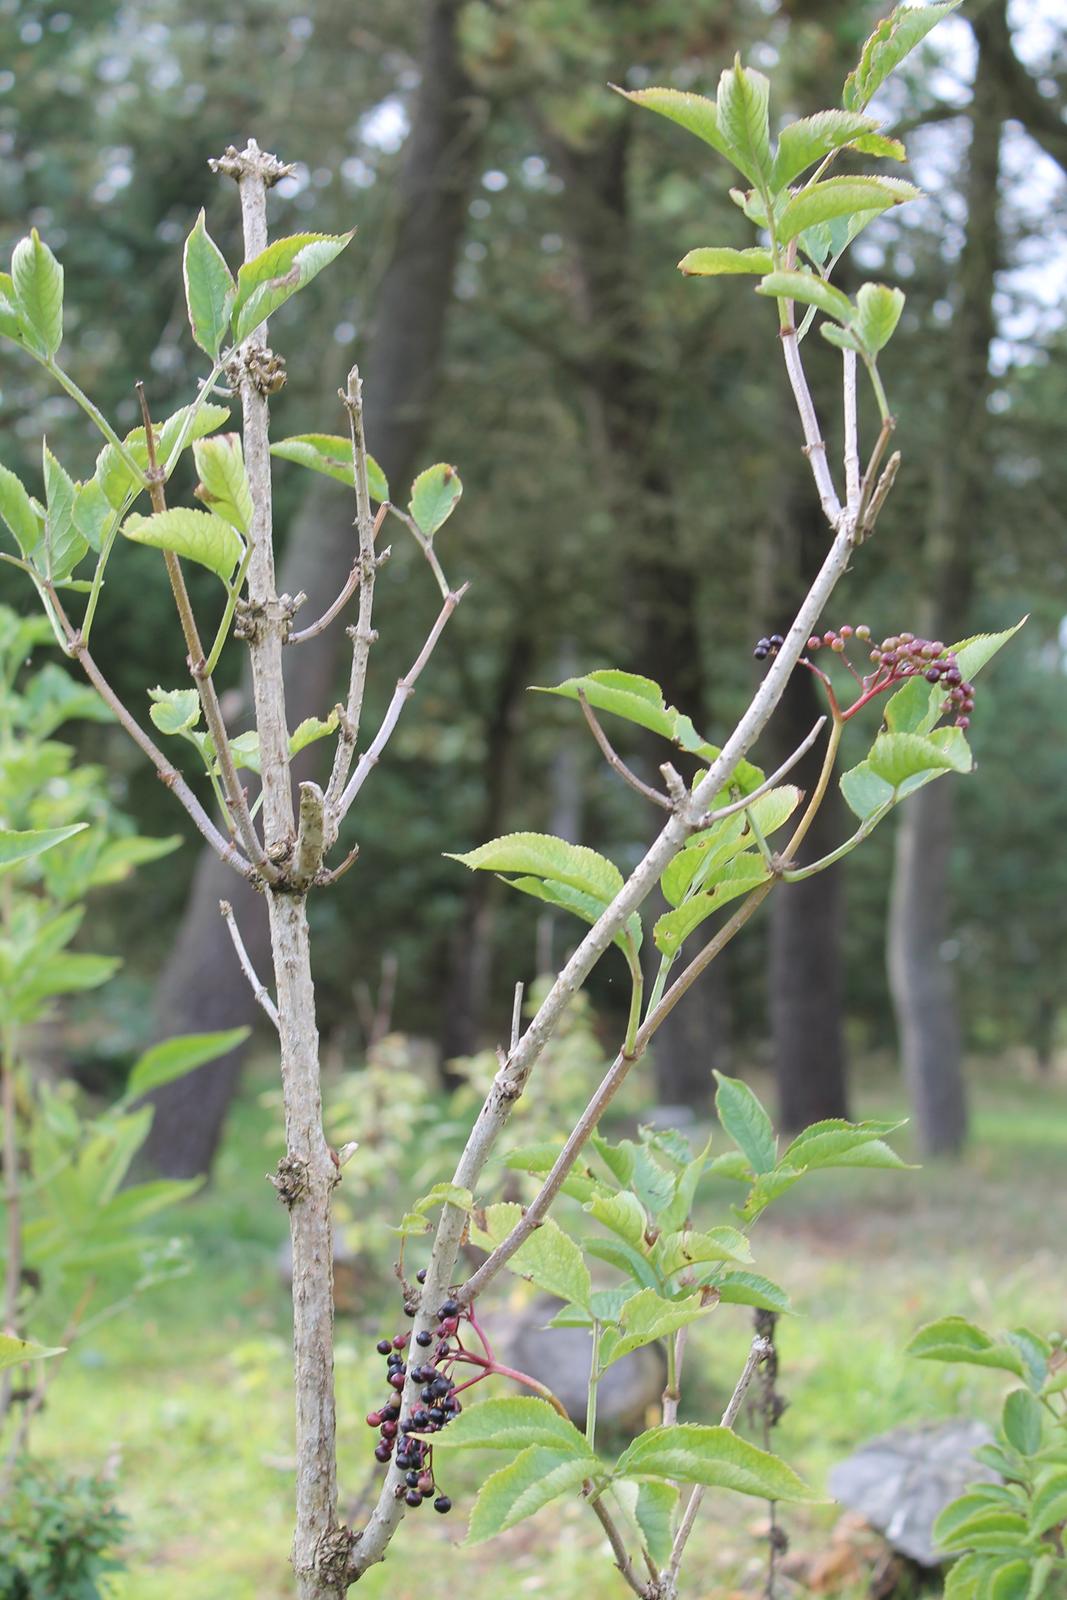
<point>852,451</point>
<point>259,989</point>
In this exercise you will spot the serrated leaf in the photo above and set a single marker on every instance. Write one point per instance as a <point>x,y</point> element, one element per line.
<point>331,455</point>
<point>544,856</point>
<point>13,1352</point>
<point>16,509</point>
<point>64,546</point>
<point>652,1506</point>
<point>864,791</point>
<point>715,1457</point>
<point>893,39</point>
<point>962,1578</point>
<point>674,1252</point>
<point>623,1214</point>
<point>266,282</point>
<point>972,654</point>
<point>194,535</point>
<point>738,877</point>
<point>916,707</point>
<point>988,1530</point>
<point>878,311</point>
<point>37,281</point>
<point>746,1122</point>
<point>713,261</point>
<point>210,289</point>
<point>18,845</point>
<point>533,1480</point>
<point>434,496</point>
<point>694,112</point>
<point>513,1422</point>
<point>93,515</point>
<point>10,326</point>
<point>549,1257</point>
<point>1048,1507</point>
<point>743,118</point>
<point>840,197</point>
<point>809,288</point>
<point>581,905</point>
<point>802,143</point>
<point>1021,1421</point>
<point>954,1339</point>
<point>173,1058</point>
<point>626,1259</point>
<point>896,757</point>
<point>833,1142</point>
<point>224,487</point>
<point>645,1318</point>
<point>957,1513</point>
<point>877,144</point>
<point>174,711</point>
<point>752,1289</point>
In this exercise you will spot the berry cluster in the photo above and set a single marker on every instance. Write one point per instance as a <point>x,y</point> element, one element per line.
<point>439,1404</point>
<point>897,658</point>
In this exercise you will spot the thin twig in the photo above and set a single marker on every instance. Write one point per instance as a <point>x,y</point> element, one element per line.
<point>516,1014</point>
<point>402,693</point>
<point>867,487</point>
<point>814,444</point>
<point>259,989</point>
<point>877,500</point>
<point>615,1539</point>
<point>351,585</point>
<point>331,876</point>
<point>12,1202</point>
<point>759,1351</point>
<point>852,452</point>
<point>768,783</point>
<point>615,761</point>
<point>363,635</point>
<point>425,545</point>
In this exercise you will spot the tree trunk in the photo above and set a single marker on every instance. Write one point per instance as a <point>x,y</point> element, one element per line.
<point>202,987</point>
<point>921,979</point>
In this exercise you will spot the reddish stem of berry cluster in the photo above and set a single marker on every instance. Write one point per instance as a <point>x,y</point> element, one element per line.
<point>896,659</point>
<point>439,1396</point>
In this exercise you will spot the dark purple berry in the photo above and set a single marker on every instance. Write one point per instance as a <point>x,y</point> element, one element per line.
<point>388,1430</point>
<point>382,1451</point>
<point>402,1338</point>
<point>411,1479</point>
<point>932,674</point>
<point>437,1415</point>
<point>397,1379</point>
<point>424,1338</point>
<point>776,641</point>
<point>413,1498</point>
<point>384,1346</point>
<point>442,1504</point>
<point>420,1276</point>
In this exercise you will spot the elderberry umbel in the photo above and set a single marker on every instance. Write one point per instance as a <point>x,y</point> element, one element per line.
<point>897,658</point>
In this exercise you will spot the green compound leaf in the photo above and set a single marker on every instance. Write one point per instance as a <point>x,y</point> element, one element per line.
<point>16,509</point>
<point>270,279</point>
<point>195,535</point>
<point>955,1339</point>
<point>743,116</point>
<point>512,1423</point>
<point>693,112</point>
<point>435,494</point>
<point>542,855</point>
<point>645,1318</point>
<point>224,487</point>
<point>809,288</point>
<point>802,143</point>
<point>331,455</point>
<point>746,1122</point>
<point>549,1257</point>
<point>893,39</point>
<point>172,1059</point>
<point>533,1480</point>
<point>713,261</point>
<point>715,1457</point>
<point>209,289</point>
<point>37,280</point>
<point>13,1352</point>
<point>841,197</point>
<point>20,845</point>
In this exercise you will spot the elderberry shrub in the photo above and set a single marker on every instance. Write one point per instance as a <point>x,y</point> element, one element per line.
<point>897,658</point>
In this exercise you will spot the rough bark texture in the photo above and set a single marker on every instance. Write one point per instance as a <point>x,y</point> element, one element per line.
<point>920,916</point>
<point>203,987</point>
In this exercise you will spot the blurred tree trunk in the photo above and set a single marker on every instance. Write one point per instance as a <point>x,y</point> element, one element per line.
<point>920,971</point>
<point>805,985</point>
<point>203,987</point>
<point>624,395</point>
<point>471,945</point>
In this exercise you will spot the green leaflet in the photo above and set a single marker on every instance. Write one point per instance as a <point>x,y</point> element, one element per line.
<point>266,282</point>
<point>511,1423</point>
<point>16,509</point>
<point>841,197</point>
<point>744,120</point>
<point>693,112</point>
<point>173,1058</point>
<point>955,1339</point>
<point>645,1318</point>
<point>549,1257</point>
<point>746,1122</point>
<point>581,905</point>
<point>739,877</point>
<point>811,289</point>
<point>16,846</point>
<point>802,143</point>
<point>713,261</point>
<point>224,487</point>
<point>715,1457</point>
<point>37,281</point>
<point>534,1479</point>
<point>331,455</point>
<point>209,289</point>
<point>894,38</point>
<point>435,494</point>
<point>194,535</point>
<point>13,1352</point>
<point>543,856</point>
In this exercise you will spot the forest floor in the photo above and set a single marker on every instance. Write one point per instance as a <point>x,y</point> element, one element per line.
<point>186,1393</point>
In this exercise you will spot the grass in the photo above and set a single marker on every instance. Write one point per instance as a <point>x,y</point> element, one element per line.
<point>187,1393</point>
